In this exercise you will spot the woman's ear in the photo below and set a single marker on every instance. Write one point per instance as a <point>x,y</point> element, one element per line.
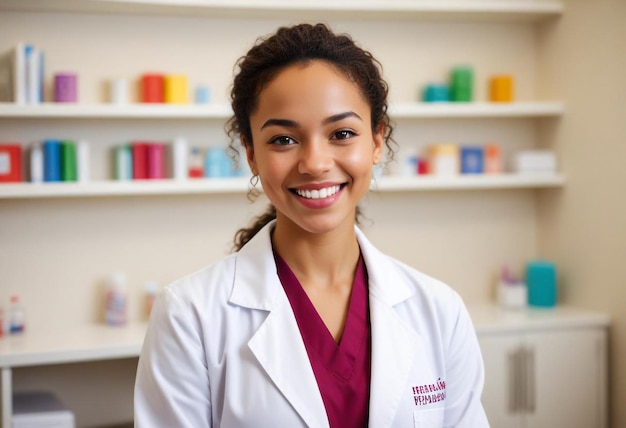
<point>379,144</point>
<point>249,155</point>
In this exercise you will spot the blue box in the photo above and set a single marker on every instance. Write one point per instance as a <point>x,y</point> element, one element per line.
<point>542,283</point>
<point>472,160</point>
<point>435,93</point>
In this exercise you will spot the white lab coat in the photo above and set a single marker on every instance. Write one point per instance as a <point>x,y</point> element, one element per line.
<point>223,349</point>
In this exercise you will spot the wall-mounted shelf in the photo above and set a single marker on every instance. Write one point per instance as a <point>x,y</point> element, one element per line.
<point>469,182</point>
<point>509,10</point>
<point>223,111</point>
<point>241,185</point>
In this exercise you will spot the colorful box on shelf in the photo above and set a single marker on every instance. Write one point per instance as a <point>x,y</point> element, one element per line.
<point>472,160</point>
<point>436,92</point>
<point>462,84</point>
<point>443,159</point>
<point>10,162</point>
<point>176,89</point>
<point>66,87</point>
<point>164,88</point>
<point>152,88</point>
<point>501,89</point>
<point>148,161</point>
<point>60,162</point>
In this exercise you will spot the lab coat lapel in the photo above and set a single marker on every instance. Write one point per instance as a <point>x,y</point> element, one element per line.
<point>394,349</point>
<point>277,344</point>
<point>395,345</point>
<point>278,347</point>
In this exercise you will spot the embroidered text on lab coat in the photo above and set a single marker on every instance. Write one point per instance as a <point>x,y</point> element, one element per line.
<point>429,393</point>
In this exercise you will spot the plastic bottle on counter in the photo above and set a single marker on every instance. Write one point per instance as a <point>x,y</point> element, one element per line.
<point>152,289</point>
<point>116,300</point>
<point>1,322</point>
<point>16,317</point>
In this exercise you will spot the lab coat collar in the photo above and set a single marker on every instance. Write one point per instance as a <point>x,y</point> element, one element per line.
<point>395,345</point>
<point>257,285</point>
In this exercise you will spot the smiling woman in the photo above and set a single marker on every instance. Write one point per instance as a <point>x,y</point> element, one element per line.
<point>307,323</point>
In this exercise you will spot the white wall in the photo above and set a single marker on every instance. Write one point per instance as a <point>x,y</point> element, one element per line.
<point>581,59</point>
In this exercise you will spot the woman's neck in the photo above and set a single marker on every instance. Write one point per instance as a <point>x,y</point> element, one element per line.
<point>318,260</point>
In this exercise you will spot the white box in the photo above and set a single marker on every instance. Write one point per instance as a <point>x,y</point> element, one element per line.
<point>40,410</point>
<point>535,161</point>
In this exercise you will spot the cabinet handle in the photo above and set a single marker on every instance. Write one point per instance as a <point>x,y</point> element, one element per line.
<point>523,380</point>
<point>530,382</point>
<point>512,381</point>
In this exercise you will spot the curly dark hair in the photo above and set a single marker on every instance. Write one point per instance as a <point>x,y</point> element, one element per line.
<point>301,44</point>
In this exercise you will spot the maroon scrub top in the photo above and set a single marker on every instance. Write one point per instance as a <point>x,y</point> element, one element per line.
<point>342,370</point>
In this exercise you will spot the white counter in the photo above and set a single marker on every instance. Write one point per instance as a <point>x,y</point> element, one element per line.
<point>99,342</point>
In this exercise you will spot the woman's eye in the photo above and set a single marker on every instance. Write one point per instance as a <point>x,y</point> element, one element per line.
<point>343,134</point>
<point>282,141</point>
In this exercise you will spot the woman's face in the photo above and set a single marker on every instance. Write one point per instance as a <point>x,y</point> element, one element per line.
<point>313,146</point>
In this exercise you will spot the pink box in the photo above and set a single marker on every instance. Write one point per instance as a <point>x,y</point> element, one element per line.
<point>65,87</point>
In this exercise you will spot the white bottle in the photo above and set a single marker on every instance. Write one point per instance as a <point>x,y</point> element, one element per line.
<point>180,154</point>
<point>36,163</point>
<point>116,300</point>
<point>82,158</point>
<point>16,317</point>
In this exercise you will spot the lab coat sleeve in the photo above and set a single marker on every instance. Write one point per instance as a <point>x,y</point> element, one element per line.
<point>172,387</point>
<point>465,375</point>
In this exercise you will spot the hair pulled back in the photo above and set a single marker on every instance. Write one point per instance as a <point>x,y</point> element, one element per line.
<point>301,44</point>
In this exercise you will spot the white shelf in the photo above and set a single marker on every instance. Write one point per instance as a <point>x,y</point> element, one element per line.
<point>123,188</point>
<point>113,111</point>
<point>492,10</point>
<point>223,111</point>
<point>469,182</point>
<point>241,185</point>
<point>475,110</point>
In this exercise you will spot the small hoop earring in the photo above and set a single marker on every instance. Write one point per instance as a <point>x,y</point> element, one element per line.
<point>254,180</point>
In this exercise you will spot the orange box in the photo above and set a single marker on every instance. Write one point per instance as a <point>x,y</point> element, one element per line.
<point>493,159</point>
<point>501,89</point>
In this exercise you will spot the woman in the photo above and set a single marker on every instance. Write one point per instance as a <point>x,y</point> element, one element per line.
<point>307,324</point>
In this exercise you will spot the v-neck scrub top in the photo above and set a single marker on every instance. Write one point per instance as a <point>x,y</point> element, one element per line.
<point>342,370</point>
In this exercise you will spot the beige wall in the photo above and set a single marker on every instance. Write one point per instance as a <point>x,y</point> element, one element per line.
<point>56,252</point>
<point>582,60</point>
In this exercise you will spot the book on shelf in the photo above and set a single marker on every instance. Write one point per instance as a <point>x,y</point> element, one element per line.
<point>21,74</point>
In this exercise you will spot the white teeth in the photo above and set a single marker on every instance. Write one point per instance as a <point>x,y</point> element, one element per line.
<point>318,194</point>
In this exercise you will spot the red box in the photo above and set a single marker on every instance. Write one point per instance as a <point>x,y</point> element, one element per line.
<point>140,160</point>
<point>152,88</point>
<point>10,163</point>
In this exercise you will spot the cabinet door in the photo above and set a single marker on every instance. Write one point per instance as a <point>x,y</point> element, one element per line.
<point>501,395</point>
<point>566,379</point>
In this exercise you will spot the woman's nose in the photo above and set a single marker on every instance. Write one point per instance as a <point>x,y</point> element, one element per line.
<point>315,158</point>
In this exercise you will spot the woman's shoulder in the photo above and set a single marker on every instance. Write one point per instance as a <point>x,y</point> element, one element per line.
<point>212,281</point>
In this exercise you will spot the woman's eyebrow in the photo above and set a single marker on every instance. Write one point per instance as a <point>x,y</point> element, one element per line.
<point>287,123</point>
<point>341,116</point>
<point>280,122</point>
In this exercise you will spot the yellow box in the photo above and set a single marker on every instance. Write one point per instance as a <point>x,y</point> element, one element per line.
<point>176,89</point>
<point>501,89</point>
